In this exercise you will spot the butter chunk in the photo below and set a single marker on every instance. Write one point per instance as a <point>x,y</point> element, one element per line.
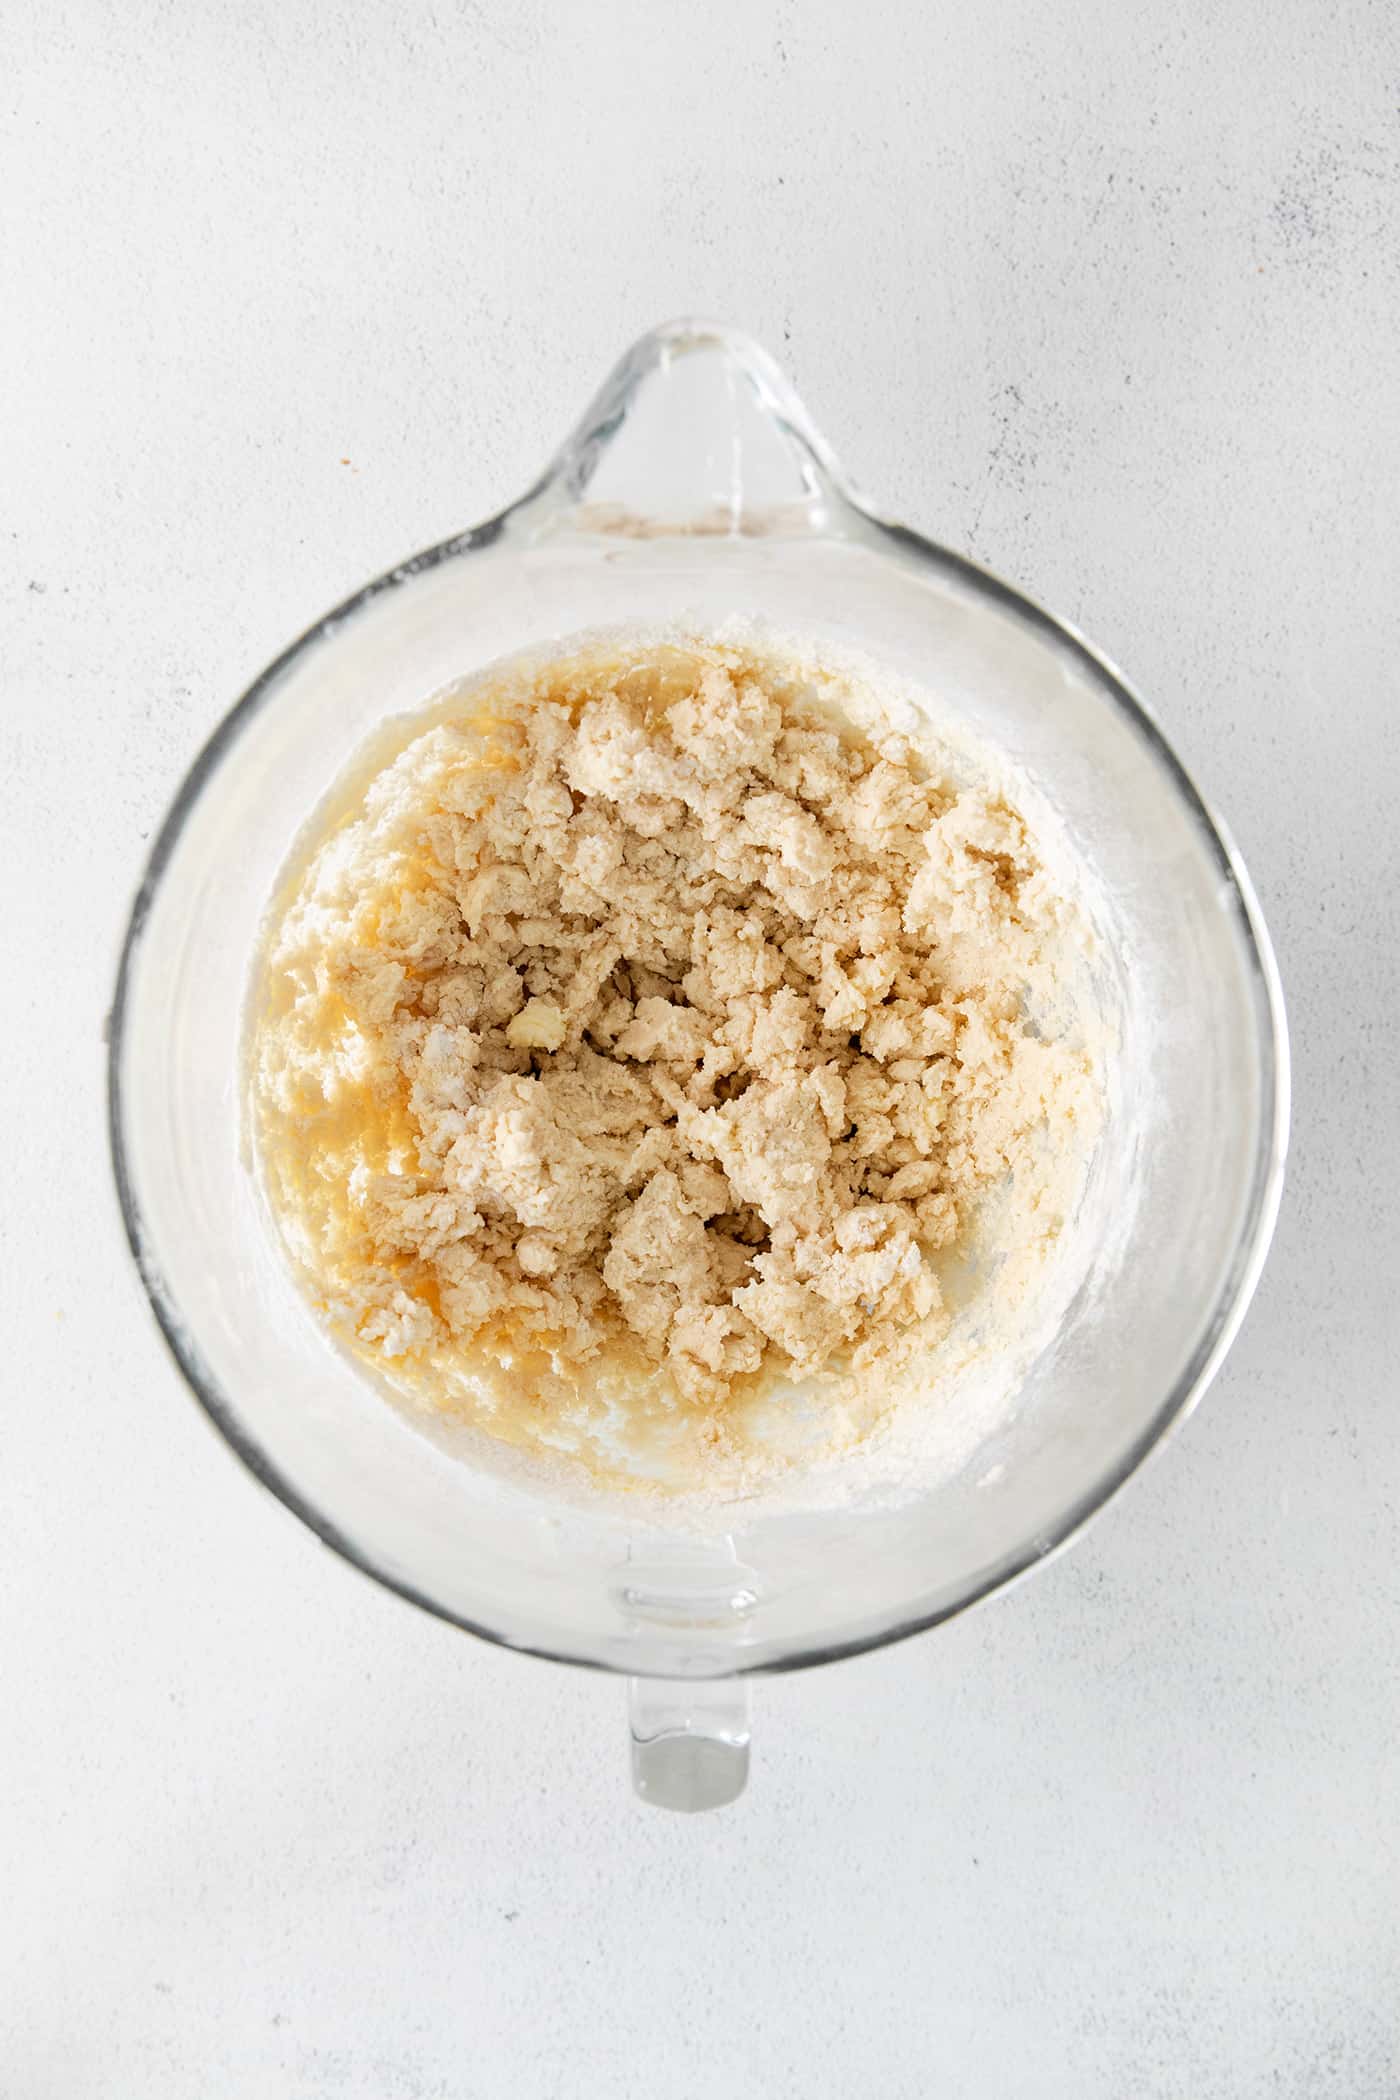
<point>539,1025</point>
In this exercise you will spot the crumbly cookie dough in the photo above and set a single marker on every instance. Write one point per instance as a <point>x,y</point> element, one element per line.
<point>643,1027</point>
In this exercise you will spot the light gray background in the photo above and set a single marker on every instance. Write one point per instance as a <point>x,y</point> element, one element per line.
<point>1102,290</point>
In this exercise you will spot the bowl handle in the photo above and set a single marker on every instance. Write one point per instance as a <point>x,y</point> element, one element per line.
<point>695,430</point>
<point>690,1742</point>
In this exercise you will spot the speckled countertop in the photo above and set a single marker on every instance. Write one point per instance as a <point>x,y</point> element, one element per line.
<point>1104,293</point>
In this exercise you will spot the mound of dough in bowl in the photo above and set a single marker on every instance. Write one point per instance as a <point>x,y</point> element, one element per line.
<point>631,1044</point>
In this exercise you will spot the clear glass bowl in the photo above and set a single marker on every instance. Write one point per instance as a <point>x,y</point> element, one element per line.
<point>695,488</point>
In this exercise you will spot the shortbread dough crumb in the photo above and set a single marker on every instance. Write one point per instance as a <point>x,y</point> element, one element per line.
<point>644,1026</point>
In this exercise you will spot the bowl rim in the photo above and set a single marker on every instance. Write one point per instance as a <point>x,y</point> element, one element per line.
<point>1238,1281</point>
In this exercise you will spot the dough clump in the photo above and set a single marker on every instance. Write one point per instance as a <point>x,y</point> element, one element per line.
<point>645,1010</point>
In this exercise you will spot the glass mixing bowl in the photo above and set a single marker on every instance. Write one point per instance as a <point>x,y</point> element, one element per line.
<point>695,488</point>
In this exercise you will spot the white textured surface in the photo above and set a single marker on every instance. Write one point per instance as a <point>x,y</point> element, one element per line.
<point>1102,290</point>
